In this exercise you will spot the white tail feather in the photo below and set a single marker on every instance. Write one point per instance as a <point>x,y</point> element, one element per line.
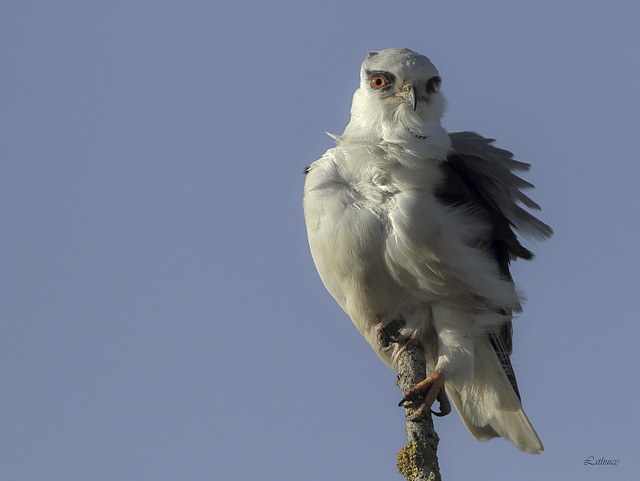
<point>489,406</point>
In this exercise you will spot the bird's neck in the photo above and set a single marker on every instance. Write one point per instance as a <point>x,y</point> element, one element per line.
<point>427,137</point>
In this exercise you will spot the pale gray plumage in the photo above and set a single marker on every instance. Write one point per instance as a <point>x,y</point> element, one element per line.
<point>406,221</point>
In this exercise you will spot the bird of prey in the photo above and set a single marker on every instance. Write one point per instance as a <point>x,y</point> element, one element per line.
<point>412,230</point>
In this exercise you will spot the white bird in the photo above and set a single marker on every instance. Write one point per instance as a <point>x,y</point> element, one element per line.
<point>411,230</point>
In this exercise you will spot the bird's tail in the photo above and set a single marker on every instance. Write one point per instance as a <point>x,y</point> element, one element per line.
<point>489,406</point>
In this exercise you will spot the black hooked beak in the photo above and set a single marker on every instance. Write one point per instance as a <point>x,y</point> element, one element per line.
<point>410,95</point>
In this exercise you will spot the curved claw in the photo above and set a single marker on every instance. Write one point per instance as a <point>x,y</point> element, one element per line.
<point>445,404</point>
<point>432,388</point>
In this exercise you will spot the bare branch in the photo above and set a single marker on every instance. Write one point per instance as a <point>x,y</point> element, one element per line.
<point>418,460</point>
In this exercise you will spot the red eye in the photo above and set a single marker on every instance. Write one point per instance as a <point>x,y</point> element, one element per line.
<point>378,82</point>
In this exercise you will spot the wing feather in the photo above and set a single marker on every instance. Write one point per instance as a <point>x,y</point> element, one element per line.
<point>491,171</point>
<point>481,177</point>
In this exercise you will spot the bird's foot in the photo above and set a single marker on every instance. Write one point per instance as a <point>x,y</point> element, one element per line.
<point>388,333</point>
<point>431,388</point>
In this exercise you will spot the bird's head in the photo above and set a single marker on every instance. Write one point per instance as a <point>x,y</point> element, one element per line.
<point>399,96</point>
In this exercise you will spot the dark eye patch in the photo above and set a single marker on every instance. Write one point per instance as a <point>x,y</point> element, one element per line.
<point>379,80</point>
<point>433,84</point>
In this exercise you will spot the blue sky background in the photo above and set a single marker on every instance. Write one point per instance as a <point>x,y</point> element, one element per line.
<point>161,317</point>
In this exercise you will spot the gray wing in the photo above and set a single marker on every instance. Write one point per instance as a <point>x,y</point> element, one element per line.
<point>480,177</point>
